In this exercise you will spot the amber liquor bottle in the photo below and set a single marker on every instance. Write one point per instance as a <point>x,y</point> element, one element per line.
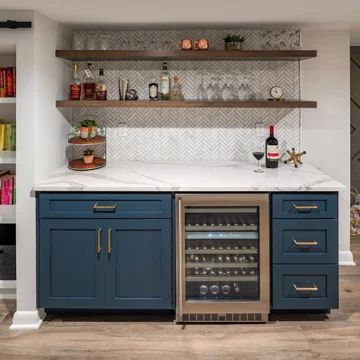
<point>75,84</point>
<point>89,84</point>
<point>101,88</point>
<point>272,150</point>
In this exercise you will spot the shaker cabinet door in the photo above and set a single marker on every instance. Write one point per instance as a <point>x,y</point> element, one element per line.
<point>70,270</point>
<point>139,271</point>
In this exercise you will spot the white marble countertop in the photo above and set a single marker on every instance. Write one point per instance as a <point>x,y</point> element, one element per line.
<point>230,176</point>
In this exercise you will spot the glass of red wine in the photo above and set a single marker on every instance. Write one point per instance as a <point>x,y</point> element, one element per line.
<point>258,155</point>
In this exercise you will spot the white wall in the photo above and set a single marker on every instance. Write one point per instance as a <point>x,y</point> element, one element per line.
<point>41,139</point>
<point>326,130</point>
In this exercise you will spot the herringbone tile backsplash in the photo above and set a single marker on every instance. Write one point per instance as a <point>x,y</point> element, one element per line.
<point>194,134</point>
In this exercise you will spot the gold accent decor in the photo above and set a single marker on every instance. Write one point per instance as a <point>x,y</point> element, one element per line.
<point>109,241</point>
<point>294,157</point>
<point>314,288</point>
<point>305,243</point>
<point>99,241</point>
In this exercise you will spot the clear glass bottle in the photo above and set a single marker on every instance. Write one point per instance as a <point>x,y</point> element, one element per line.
<point>176,92</point>
<point>75,84</point>
<point>153,90</point>
<point>165,83</point>
<point>89,84</point>
<point>101,88</point>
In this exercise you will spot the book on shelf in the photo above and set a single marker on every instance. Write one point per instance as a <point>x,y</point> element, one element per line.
<point>7,188</point>
<point>7,136</point>
<point>7,81</point>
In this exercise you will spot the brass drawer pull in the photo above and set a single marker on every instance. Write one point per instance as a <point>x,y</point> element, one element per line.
<point>305,207</point>
<point>99,241</point>
<point>104,207</point>
<point>109,241</point>
<point>305,243</point>
<point>314,288</point>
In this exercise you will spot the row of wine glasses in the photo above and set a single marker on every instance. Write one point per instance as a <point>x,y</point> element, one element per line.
<point>281,40</point>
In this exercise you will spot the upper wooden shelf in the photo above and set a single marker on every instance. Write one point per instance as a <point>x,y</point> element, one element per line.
<point>287,104</point>
<point>146,55</point>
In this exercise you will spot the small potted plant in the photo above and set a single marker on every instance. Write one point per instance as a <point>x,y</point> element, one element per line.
<point>233,41</point>
<point>84,129</point>
<point>88,156</point>
<point>92,128</point>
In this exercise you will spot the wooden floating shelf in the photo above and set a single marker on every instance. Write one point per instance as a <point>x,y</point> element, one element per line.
<point>180,55</point>
<point>286,104</point>
<point>94,141</point>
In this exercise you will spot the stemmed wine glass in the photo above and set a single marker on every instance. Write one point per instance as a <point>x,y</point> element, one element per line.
<point>258,155</point>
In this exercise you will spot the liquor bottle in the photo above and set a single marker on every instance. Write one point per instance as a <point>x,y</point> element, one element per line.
<point>165,83</point>
<point>176,93</point>
<point>101,88</point>
<point>89,84</point>
<point>75,84</point>
<point>153,90</point>
<point>272,150</point>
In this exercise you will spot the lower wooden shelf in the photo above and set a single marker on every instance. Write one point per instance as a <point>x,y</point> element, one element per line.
<point>287,104</point>
<point>79,165</point>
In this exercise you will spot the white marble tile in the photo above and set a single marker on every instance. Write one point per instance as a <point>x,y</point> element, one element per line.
<point>230,176</point>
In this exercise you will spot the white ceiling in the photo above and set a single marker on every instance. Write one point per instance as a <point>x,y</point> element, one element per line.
<point>333,14</point>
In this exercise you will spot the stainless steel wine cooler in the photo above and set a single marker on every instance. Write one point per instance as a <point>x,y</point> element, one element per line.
<point>222,245</point>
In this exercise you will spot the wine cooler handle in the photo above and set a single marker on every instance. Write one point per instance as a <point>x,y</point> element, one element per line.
<point>99,241</point>
<point>314,288</point>
<point>305,243</point>
<point>109,241</point>
<point>305,207</point>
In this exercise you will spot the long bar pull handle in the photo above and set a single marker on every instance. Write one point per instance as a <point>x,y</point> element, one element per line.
<point>305,243</point>
<point>109,241</point>
<point>314,288</point>
<point>305,207</point>
<point>99,241</point>
<point>104,207</point>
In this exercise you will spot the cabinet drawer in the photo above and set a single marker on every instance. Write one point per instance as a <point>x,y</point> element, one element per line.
<point>305,241</point>
<point>126,206</point>
<point>305,287</point>
<point>304,206</point>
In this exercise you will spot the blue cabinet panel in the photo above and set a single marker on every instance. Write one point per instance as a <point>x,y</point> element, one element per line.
<point>305,206</point>
<point>104,206</point>
<point>70,271</point>
<point>139,275</point>
<point>305,287</point>
<point>305,241</point>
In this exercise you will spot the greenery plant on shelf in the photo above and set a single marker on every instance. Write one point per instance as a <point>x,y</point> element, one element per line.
<point>234,38</point>
<point>89,152</point>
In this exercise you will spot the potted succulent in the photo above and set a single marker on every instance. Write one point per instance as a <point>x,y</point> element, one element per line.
<point>88,156</point>
<point>233,41</point>
<point>88,129</point>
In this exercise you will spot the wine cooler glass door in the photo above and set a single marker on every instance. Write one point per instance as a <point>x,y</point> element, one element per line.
<point>221,246</point>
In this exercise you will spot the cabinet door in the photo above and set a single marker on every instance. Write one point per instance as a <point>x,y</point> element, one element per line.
<point>70,269</point>
<point>139,275</point>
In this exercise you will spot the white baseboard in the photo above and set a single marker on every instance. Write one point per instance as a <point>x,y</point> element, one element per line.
<point>346,258</point>
<point>26,320</point>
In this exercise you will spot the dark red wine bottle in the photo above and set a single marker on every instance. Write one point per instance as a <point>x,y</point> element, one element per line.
<point>272,150</point>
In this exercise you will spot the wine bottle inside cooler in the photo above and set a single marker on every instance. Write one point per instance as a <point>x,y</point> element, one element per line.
<point>272,150</point>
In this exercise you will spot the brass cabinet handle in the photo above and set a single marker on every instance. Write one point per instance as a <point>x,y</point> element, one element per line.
<point>314,288</point>
<point>99,241</point>
<point>109,241</point>
<point>104,207</point>
<point>305,243</point>
<point>305,207</point>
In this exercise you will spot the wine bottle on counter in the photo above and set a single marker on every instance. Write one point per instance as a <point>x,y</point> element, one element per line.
<point>272,150</point>
<point>165,83</point>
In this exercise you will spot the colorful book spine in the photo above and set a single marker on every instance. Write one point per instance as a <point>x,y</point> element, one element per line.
<point>8,134</point>
<point>2,136</point>
<point>9,82</point>
<point>14,190</point>
<point>2,83</point>
<point>7,190</point>
<point>14,80</point>
<point>13,138</point>
<point>3,70</point>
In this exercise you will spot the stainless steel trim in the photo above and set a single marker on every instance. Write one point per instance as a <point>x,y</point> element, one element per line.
<point>220,265</point>
<point>314,288</point>
<point>240,210</point>
<point>221,228</point>
<point>305,207</point>
<point>242,278</point>
<point>219,251</point>
<point>217,200</point>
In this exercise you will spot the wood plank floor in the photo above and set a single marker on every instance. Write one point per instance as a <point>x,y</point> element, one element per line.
<point>299,337</point>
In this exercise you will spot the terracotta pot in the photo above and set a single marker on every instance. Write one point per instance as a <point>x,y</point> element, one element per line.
<point>84,132</point>
<point>88,159</point>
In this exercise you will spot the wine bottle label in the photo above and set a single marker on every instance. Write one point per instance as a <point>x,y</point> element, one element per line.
<point>75,91</point>
<point>153,92</point>
<point>165,85</point>
<point>272,152</point>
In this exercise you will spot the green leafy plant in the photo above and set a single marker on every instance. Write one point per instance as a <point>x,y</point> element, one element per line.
<point>233,38</point>
<point>88,152</point>
<point>88,123</point>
